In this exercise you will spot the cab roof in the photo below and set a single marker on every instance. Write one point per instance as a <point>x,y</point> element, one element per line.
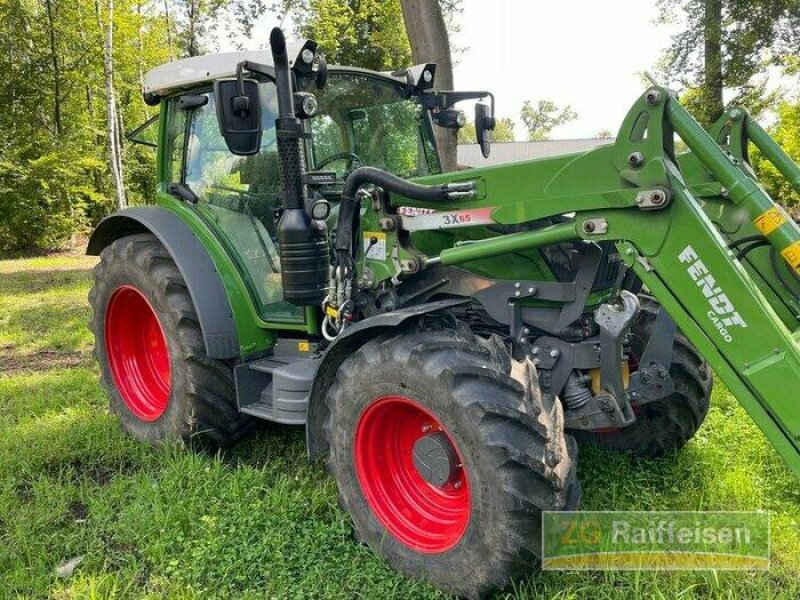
<point>196,70</point>
<point>188,72</point>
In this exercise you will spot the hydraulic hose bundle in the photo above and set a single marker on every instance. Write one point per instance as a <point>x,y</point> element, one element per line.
<point>338,305</point>
<point>393,185</point>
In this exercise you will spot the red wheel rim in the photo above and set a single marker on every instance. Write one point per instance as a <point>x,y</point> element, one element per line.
<point>423,516</point>
<point>137,353</point>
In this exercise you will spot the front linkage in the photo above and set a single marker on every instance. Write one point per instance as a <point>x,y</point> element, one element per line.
<point>637,198</point>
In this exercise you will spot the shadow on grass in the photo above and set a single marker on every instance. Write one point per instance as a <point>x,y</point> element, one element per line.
<point>52,325</point>
<point>23,283</point>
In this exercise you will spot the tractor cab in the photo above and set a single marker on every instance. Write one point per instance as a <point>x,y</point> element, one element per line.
<point>360,118</point>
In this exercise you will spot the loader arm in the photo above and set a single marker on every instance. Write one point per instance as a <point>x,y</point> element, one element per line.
<point>638,198</point>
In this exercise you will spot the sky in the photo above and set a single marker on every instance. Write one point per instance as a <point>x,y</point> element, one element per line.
<point>589,54</point>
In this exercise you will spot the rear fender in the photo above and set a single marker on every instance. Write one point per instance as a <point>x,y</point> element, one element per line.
<point>202,279</point>
<point>348,342</point>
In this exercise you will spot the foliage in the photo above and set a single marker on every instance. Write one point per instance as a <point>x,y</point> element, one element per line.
<point>370,34</point>
<point>787,133</point>
<point>503,131</point>
<point>366,33</point>
<point>540,119</point>
<point>727,44</point>
<point>55,179</point>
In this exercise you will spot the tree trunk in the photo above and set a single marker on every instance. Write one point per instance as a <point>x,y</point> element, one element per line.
<point>427,34</point>
<point>56,69</point>
<point>169,30</point>
<point>712,25</point>
<point>193,9</point>
<point>114,150</point>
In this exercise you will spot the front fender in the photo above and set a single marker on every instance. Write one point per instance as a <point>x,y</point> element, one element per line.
<point>202,279</point>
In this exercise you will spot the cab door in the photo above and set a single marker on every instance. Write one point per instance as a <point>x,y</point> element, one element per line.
<point>238,196</point>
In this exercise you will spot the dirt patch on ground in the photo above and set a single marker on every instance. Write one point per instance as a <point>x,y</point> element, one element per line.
<point>43,360</point>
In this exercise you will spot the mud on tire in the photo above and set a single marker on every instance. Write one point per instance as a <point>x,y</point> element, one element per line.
<point>510,438</point>
<point>201,392</point>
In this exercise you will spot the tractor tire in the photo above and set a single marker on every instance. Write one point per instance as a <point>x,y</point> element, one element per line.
<point>664,426</point>
<point>446,453</point>
<point>150,350</point>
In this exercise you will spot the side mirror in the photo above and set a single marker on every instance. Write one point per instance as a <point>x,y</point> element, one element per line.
<point>484,123</point>
<point>239,114</point>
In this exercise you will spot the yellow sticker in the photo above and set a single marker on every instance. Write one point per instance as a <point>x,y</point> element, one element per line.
<point>791,255</point>
<point>332,312</point>
<point>770,220</point>
<point>303,347</point>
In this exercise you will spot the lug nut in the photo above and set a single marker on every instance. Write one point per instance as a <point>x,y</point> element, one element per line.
<point>588,226</point>
<point>555,353</point>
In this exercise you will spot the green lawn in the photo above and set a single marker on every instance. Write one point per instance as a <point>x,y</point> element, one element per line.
<point>259,521</point>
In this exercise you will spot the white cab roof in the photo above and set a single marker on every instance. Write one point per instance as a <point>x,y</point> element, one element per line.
<point>188,72</point>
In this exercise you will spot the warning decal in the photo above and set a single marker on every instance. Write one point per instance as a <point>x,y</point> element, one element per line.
<point>770,220</point>
<point>791,255</point>
<point>375,245</point>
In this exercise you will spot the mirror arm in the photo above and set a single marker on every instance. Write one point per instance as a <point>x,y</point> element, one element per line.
<point>267,71</point>
<point>443,99</point>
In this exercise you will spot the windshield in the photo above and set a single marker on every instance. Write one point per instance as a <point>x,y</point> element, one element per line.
<point>364,120</point>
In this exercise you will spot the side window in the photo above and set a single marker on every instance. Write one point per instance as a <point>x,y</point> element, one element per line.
<point>176,133</point>
<point>240,195</point>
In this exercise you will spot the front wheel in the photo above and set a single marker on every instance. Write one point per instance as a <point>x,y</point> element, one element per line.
<point>150,349</point>
<point>445,453</point>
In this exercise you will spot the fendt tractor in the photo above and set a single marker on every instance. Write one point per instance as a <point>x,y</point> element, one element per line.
<point>446,339</point>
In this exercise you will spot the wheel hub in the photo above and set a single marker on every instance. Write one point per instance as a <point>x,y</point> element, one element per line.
<point>138,355</point>
<point>435,458</point>
<point>411,474</point>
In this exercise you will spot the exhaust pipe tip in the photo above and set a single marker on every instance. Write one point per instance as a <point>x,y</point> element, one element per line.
<point>277,42</point>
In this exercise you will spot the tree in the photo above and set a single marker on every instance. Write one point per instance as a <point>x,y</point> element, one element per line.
<point>725,45</point>
<point>545,116</point>
<point>427,33</point>
<point>384,35</point>
<point>503,132</point>
<point>194,19</point>
<point>604,134</point>
<point>787,133</point>
<point>364,33</point>
<point>112,120</point>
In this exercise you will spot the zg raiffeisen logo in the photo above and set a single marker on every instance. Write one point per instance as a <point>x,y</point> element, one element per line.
<point>655,540</point>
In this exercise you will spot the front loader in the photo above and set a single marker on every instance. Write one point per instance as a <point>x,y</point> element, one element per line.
<point>445,338</point>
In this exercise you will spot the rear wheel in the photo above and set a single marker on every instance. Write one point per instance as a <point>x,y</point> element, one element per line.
<point>666,425</point>
<point>150,349</point>
<point>445,453</point>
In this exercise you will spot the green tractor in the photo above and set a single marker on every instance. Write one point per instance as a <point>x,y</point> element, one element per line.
<point>446,339</point>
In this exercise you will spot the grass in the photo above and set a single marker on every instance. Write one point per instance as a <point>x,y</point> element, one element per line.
<point>259,521</point>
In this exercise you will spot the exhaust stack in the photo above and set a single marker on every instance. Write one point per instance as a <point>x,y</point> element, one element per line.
<point>303,243</point>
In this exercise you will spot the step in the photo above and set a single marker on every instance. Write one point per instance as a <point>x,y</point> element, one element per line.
<point>276,389</point>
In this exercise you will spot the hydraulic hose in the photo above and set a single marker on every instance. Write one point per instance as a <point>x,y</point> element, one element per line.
<point>392,184</point>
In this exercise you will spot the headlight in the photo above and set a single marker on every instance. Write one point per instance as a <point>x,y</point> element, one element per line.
<point>305,105</point>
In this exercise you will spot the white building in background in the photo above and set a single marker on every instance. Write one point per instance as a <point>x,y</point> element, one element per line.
<point>470,155</point>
